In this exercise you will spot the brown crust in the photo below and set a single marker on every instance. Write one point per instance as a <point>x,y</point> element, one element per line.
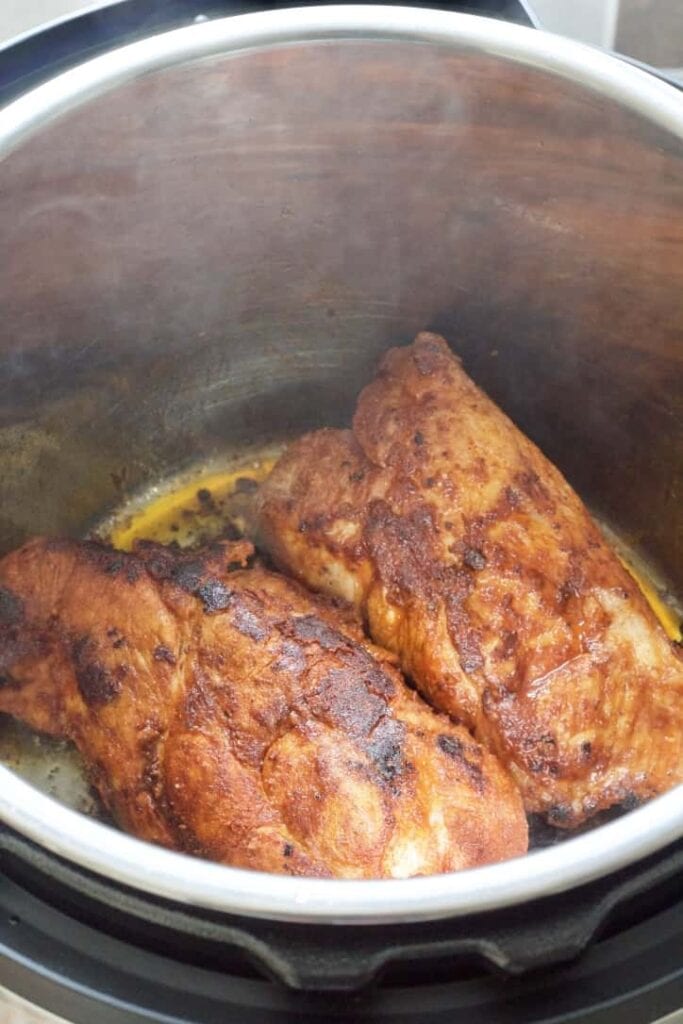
<point>225,712</point>
<point>469,555</point>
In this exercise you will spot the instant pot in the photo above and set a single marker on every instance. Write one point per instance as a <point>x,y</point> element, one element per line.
<point>212,228</point>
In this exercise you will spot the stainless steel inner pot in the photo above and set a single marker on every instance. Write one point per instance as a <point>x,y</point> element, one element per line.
<point>210,235</point>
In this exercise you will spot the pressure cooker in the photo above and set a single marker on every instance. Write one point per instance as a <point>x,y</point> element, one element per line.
<point>213,227</point>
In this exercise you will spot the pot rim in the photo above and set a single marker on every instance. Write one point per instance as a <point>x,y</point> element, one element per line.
<point>606,74</point>
<point>177,876</point>
<point>190,880</point>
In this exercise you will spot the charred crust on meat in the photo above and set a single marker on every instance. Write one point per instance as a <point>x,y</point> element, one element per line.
<point>163,653</point>
<point>474,559</point>
<point>247,623</point>
<point>311,629</point>
<point>290,658</point>
<point>399,546</point>
<point>188,575</point>
<point>377,681</point>
<point>11,608</point>
<point>630,802</point>
<point>559,814</point>
<point>342,699</point>
<point>471,663</point>
<point>353,698</point>
<point>110,561</point>
<point>214,595</point>
<point>97,685</point>
<point>386,751</point>
<point>450,745</point>
<point>158,561</point>
<point>165,562</point>
<point>530,484</point>
<point>117,639</point>
<point>461,753</point>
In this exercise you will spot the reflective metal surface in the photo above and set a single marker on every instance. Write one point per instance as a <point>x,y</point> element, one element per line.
<point>188,880</point>
<point>211,235</point>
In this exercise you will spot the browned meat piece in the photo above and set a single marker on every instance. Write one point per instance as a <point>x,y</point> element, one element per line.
<point>225,712</point>
<point>469,555</point>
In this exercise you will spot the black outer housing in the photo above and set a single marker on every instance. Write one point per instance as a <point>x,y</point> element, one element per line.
<point>90,950</point>
<point>93,951</point>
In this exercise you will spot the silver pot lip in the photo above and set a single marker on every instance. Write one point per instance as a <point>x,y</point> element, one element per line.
<point>176,876</point>
<point>612,78</point>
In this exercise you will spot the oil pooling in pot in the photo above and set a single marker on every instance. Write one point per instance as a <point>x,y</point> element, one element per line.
<point>196,507</point>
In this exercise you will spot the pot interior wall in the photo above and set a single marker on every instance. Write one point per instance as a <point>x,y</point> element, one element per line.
<point>215,255</point>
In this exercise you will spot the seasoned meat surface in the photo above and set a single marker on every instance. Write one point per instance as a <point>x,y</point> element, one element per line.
<point>224,711</point>
<point>470,556</point>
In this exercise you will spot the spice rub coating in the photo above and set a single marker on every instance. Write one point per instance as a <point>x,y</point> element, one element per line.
<point>469,555</point>
<point>225,712</point>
